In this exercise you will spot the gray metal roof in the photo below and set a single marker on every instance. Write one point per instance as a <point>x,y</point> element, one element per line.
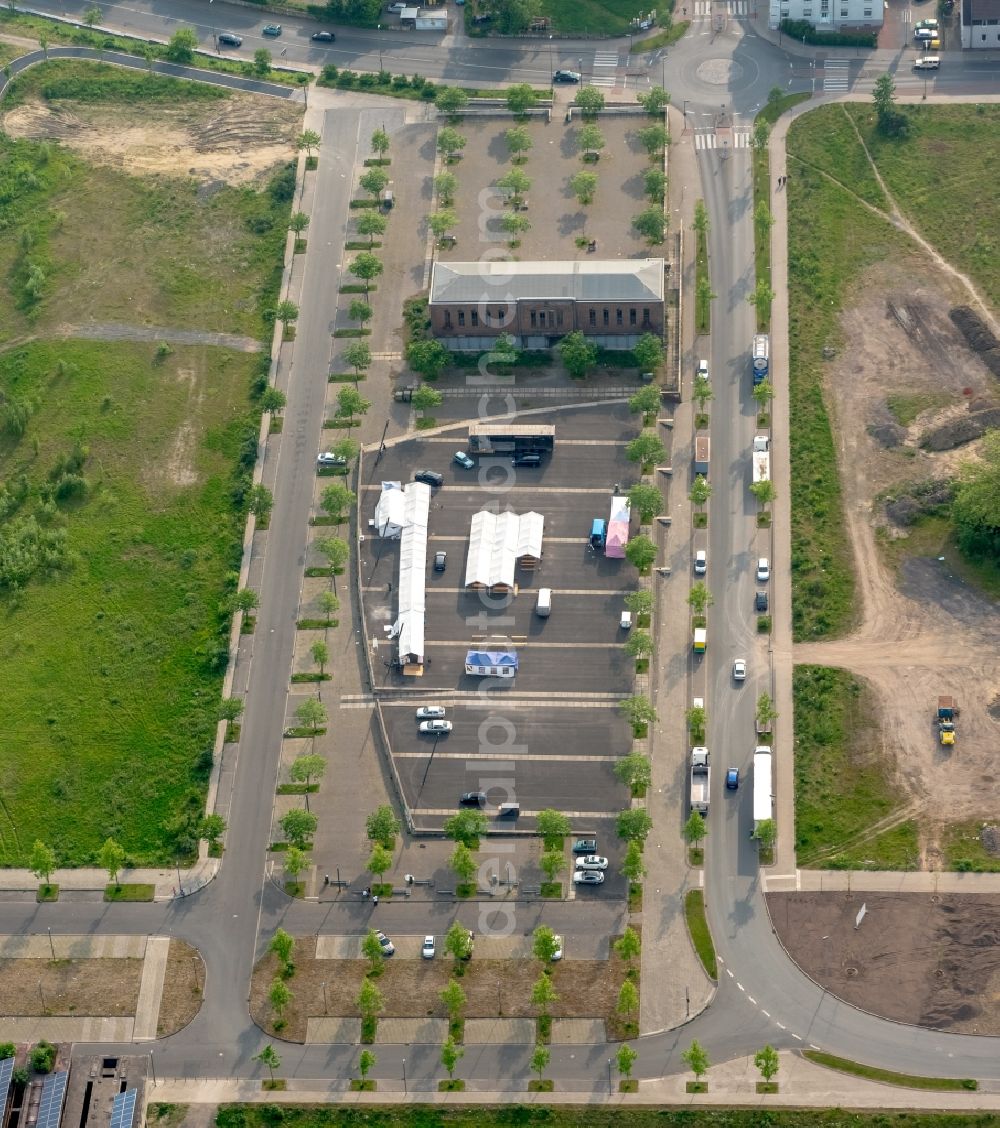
<point>589,280</point>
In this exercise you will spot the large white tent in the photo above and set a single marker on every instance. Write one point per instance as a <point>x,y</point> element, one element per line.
<point>497,541</point>
<point>402,513</point>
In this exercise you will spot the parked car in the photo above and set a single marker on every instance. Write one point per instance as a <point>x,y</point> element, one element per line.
<point>557,954</point>
<point>396,7</point>
<point>924,33</point>
<point>592,862</point>
<point>588,877</point>
<point>702,369</point>
<point>427,949</point>
<point>585,846</point>
<point>928,62</point>
<point>473,799</point>
<point>760,601</point>
<point>387,945</point>
<point>700,562</point>
<point>429,477</point>
<point>931,22</point>
<point>229,39</point>
<point>440,561</point>
<point>435,726</point>
<point>739,670</point>
<point>529,458</point>
<point>567,76</point>
<point>328,458</point>
<point>273,30</point>
<point>464,460</point>
<point>323,37</point>
<point>763,570</point>
<point>430,712</point>
<point>732,779</point>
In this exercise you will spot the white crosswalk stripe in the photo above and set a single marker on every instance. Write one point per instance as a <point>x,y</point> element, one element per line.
<point>703,8</point>
<point>709,139</point>
<point>603,80</point>
<point>836,75</point>
<point>605,58</point>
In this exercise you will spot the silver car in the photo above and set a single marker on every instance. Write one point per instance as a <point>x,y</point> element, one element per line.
<point>592,862</point>
<point>435,726</point>
<point>588,877</point>
<point>430,712</point>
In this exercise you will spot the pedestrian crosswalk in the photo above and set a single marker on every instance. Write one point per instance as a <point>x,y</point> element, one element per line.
<point>703,9</point>
<point>836,76</point>
<point>605,61</point>
<point>710,139</point>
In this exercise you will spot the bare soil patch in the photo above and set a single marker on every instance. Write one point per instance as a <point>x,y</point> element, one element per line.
<point>183,988</point>
<point>411,988</point>
<point>108,988</point>
<point>924,632</point>
<point>929,961</point>
<point>237,141</point>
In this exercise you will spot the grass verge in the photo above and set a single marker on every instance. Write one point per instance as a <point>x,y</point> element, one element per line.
<point>47,893</point>
<point>136,891</point>
<point>701,937</point>
<point>702,285</point>
<point>841,783</point>
<point>888,1076</point>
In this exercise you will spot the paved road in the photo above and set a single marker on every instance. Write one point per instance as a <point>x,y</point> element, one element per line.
<point>762,996</point>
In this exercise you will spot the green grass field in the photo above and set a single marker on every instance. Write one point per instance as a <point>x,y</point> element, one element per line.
<point>596,17</point>
<point>841,785</point>
<point>111,664</point>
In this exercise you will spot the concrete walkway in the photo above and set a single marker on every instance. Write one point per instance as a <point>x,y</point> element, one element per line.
<point>154,970</point>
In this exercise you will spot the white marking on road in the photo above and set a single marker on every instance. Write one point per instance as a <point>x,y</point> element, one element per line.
<point>752,999</point>
<point>729,973</point>
<point>765,1013</point>
<point>741,987</point>
<point>781,1026</point>
<point>813,1046</point>
<point>799,1036</point>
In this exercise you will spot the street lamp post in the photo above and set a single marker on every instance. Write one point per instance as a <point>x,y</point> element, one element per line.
<point>404,1075</point>
<point>52,947</point>
<point>610,1083</point>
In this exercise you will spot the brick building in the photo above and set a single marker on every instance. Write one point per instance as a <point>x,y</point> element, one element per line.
<point>612,302</point>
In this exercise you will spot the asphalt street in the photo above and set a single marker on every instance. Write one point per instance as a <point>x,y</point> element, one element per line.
<point>762,996</point>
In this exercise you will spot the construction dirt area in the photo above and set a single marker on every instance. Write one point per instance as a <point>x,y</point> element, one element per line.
<point>931,961</point>
<point>904,379</point>
<point>238,140</point>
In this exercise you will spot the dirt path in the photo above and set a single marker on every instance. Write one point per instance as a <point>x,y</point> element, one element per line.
<point>115,331</point>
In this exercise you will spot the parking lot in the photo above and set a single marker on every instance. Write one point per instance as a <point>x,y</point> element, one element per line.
<point>554,731</point>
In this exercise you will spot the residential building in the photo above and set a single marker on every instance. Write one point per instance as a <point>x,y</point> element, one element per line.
<point>980,27</point>
<point>829,15</point>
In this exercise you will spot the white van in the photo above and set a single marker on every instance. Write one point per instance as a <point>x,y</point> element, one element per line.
<point>543,604</point>
<point>928,62</point>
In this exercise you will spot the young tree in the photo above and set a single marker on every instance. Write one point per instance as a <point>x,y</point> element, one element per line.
<point>761,299</point>
<point>884,95</point>
<point>632,868</point>
<point>647,500</point>
<point>366,267</point>
<point>350,402</point>
<point>763,492</point>
<point>308,139</point>
<point>260,502</point>
<point>298,222</point>
<point>639,644</point>
<point>451,1055</point>
<point>230,708</point>
<point>425,398</point>
<point>359,311</point>
<point>272,399</point>
<point>646,448</point>
<point>654,101</point>
<point>640,602</point>
<point>515,182</point>
<point>182,45</point>
<point>650,224</point>
<point>320,653</point>
<point>577,354</point>
<point>654,139</point>
<point>269,1056</point>
<point>212,828</point>
<point>640,552</point>
<point>583,185</point>
<point>514,224</point>
<point>282,944</point>
<point>701,491</point>
<point>379,860</point>
<point>544,944</point>
<point>704,296</point>
<point>329,604</point>
<point>306,768</point>
<point>295,863</point>
<point>42,861</point>
<point>700,598</point>
<point>628,998</point>
<point>450,143</point>
<point>518,143</point>
<point>371,949</point>
<point>646,400</point>
<point>458,942</point>
<point>262,62</point>
<point>701,392</point>
<point>654,184</point>
<point>590,141</point>
<point>696,723</point>
<point>382,826</point>
<point>766,833</point>
<point>633,824</point>
<point>521,98</point>
<point>111,857</point>
<point>453,998</point>
<point>648,352</point>
<point>445,186</point>
<point>359,356</point>
<point>467,827</point>
<point>763,393</point>
<point>370,1000</point>
<point>695,830</point>
<point>628,945</point>
<point>695,1058</point>
<point>543,993</point>
<point>701,222</point>
<point>92,15</point>
<point>428,358</point>
<point>311,714</point>
<point>366,1062</point>
<point>463,863</point>
<point>760,135</point>
<point>441,222</point>
<point>451,100</point>
<point>638,710</point>
<point>380,142</point>
<point>626,1060</point>
<point>763,220</point>
<point>371,223</point>
<point>286,311</point>
<point>540,1060</point>
<point>279,996</point>
<point>766,1060</point>
<point>635,771</point>
<point>552,862</point>
<point>590,100</point>
<point>553,826</point>
<point>298,826</point>
<point>335,550</point>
